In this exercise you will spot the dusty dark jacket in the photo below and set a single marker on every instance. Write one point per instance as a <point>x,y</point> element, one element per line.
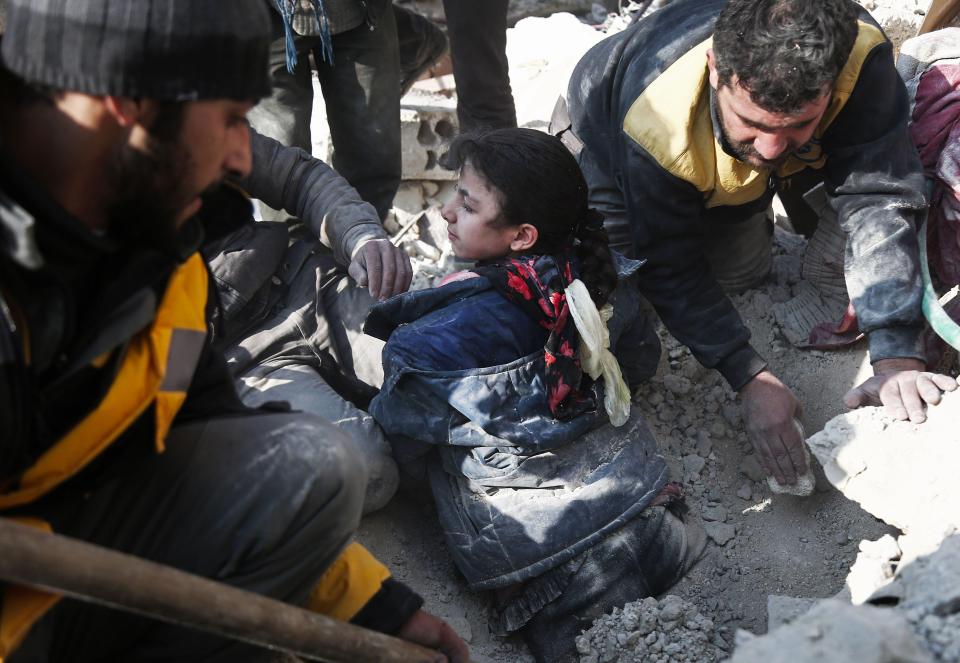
<point>641,103</point>
<point>518,492</point>
<point>68,296</point>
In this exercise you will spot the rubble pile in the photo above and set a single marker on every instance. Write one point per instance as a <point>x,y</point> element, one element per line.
<point>898,471</point>
<point>836,631</point>
<point>908,588</point>
<point>915,618</point>
<point>653,631</point>
<point>927,591</point>
<point>900,19</point>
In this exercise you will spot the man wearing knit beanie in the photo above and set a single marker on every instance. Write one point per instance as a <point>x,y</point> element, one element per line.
<point>119,425</point>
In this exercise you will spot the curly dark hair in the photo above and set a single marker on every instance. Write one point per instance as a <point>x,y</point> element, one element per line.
<point>786,53</point>
<point>538,181</point>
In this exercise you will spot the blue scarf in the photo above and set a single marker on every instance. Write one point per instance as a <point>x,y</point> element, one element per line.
<point>287,8</point>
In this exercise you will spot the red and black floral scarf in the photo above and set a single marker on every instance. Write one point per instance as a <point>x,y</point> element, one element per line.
<point>536,284</point>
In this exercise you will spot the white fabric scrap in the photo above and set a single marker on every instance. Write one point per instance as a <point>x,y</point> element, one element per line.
<point>596,360</point>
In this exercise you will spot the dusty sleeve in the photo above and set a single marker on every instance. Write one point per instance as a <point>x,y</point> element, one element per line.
<point>288,178</point>
<point>875,180</point>
<point>666,217</point>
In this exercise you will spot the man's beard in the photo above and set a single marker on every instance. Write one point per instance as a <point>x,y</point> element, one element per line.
<point>149,191</point>
<point>746,153</point>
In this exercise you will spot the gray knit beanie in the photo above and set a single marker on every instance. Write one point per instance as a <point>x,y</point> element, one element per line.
<point>175,50</point>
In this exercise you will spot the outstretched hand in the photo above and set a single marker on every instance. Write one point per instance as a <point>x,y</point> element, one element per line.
<point>902,387</point>
<point>772,413</point>
<point>429,631</point>
<point>382,267</point>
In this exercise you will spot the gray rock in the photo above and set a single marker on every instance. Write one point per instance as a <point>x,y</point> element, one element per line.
<point>461,625</point>
<point>837,631</point>
<point>704,443</point>
<point>693,464</point>
<point>714,513</point>
<point>677,384</point>
<point>932,583</point>
<point>784,609</point>
<point>745,492</point>
<point>583,644</point>
<point>410,197</point>
<point>862,454</point>
<point>721,533</point>
<point>671,608</point>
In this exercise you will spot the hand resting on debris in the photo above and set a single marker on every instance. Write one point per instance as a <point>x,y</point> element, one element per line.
<point>902,387</point>
<point>381,267</point>
<point>771,412</point>
<point>429,631</point>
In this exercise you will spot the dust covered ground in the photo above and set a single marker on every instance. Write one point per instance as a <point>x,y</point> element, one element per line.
<point>761,544</point>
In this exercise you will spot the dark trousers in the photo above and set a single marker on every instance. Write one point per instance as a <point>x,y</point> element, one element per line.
<point>262,502</point>
<point>644,558</point>
<point>362,96</point>
<point>477,30</point>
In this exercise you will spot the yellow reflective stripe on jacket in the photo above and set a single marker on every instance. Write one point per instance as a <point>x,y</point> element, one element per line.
<point>156,368</point>
<point>350,582</point>
<point>22,606</point>
<point>672,122</point>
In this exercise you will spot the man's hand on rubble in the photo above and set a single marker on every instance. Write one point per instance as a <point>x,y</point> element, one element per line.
<point>771,411</point>
<point>429,631</point>
<point>381,267</point>
<point>902,387</point>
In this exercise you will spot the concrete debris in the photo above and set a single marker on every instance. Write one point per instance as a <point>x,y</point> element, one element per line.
<point>677,384</point>
<point>874,568</point>
<point>720,533</point>
<point>927,591</point>
<point>784,609</point>
<point>898,471</point>
<point>653,631</point>
<point>925,595</point>
<point>900,19</point>
<point>716,513</point>
<point>835,631</point>
<point>521,9</point>
<point>425,135</point>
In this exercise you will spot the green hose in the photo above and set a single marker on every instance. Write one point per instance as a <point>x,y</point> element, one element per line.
<point>941,323</point>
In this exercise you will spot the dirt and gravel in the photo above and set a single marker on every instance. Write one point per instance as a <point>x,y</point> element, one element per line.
<point>761,544</point>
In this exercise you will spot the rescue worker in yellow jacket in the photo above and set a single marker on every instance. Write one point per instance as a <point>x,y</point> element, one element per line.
<point>119,423</point>
<point>686,125</point>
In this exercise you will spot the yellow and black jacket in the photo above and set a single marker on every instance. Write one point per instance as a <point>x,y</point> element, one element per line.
<point>641,103</point>
<point>102,349</point>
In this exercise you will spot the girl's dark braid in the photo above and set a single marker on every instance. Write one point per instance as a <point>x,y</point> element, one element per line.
<point>597,269</point>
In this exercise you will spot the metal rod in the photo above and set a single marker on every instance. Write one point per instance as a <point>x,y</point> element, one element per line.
<point>91,573</point>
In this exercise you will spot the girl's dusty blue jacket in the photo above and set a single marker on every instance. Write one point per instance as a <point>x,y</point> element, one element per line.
<point>518,492</point>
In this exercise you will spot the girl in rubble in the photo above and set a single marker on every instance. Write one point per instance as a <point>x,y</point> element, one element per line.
<point>488,395</point>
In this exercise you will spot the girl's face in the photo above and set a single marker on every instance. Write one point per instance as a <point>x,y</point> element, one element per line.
<point>472,219</point>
